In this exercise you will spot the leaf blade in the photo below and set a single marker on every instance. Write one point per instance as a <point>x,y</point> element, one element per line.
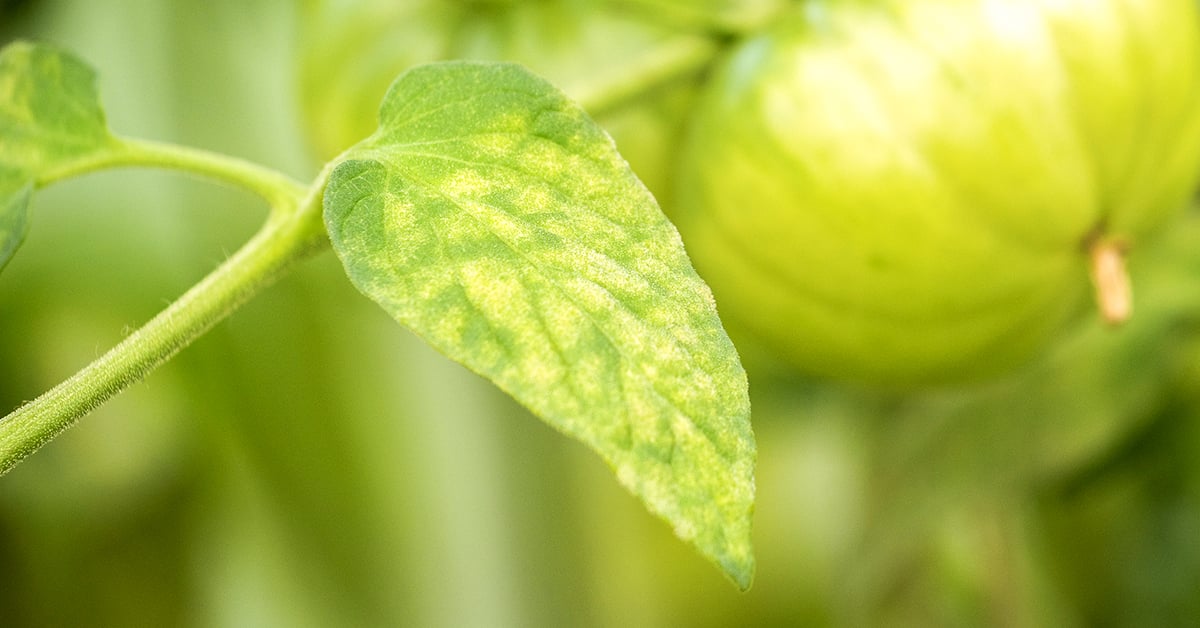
<point>50,109</point>
<point>493,218</point>
<point>14,216</point>
<point>50,117</point>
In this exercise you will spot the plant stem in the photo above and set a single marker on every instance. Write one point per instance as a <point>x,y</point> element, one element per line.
<point>742,18</point>
<point>277,189</point>
<point>672,59</point>
<point>1111,280</point>
<point>292,231</point>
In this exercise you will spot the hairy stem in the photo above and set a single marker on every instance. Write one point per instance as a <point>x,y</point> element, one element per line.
<point>293,231</point>
<point>277,189</point>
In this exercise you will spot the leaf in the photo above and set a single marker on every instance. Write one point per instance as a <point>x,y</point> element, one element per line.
<point>50,118</point>
<point>14,217</point>
<point>493,218</point>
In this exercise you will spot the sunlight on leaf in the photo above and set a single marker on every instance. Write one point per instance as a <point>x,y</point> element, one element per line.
<point>50,116</point>
<point>497,221</point>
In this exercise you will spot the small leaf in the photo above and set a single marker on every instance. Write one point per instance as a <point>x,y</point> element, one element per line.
<point>50,117</point>
<point>497,221</point>
<point>49,108</point>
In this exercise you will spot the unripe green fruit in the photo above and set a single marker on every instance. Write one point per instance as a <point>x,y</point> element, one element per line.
<point>911,191</point>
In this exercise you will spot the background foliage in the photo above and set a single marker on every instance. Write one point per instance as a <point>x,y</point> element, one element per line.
<point>309,463</point>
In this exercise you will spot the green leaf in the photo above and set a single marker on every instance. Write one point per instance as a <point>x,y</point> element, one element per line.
<point>497,221</point>
<point>50,120</point>
<point>14,216</point>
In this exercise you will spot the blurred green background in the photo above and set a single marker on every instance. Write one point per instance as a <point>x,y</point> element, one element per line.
<point>310,463</point>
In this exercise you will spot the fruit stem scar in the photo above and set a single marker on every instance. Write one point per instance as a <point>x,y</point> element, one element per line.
<point>1114,295</point>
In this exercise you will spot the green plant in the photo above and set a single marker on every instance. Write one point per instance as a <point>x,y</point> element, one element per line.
<point>490,215</point>
<point>487,213</point>
<point>913,192</point>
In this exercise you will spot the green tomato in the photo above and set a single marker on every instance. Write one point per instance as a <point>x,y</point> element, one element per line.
<point>906,192</point>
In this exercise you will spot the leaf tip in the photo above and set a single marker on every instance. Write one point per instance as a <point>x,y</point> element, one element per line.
<point>742,573</point>
<point>735,558</point>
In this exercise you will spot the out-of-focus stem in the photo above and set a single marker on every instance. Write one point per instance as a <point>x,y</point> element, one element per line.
<point>1114,295</point>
